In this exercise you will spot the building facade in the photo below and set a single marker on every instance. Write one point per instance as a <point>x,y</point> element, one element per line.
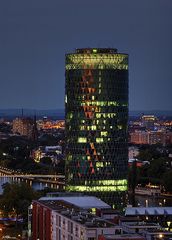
<point>54,220</point>
<point>96,104</point>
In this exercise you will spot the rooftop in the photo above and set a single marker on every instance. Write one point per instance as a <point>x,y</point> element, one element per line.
<point>135,211</point>
<point>85,202</point>
<point>141,224</point>
<point>74,213</point>
<point>123,236</point>
<point>96,50</point>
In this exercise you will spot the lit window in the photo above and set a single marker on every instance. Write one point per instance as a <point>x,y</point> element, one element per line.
<point>82,140</point>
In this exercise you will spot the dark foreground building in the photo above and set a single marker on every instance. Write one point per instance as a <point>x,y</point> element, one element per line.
<point>96,123</point>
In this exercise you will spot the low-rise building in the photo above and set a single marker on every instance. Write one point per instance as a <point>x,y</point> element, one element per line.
<point>161,215</point>
<point>157,234</point>
<point>139,226</point>
<point>59,219</point>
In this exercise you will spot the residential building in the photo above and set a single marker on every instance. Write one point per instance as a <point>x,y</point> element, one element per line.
<point>59,219</point>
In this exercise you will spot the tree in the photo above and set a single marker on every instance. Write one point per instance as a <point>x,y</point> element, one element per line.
<point>157,168</point>
<point>46,160</point>
<point>16,199</point>
<point>133,181</point>
<point>148,153</point>
<point>167,181</point>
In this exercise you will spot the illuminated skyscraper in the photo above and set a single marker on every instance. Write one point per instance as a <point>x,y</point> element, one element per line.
<point>96,123</point>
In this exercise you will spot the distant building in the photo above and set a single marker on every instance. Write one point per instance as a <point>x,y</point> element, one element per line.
<point>139,137</point>
<point>4,136</point>
<point>133,152</point>
<point>148,137</point>
<point>25,127</point>
<point>148,121</point>
<point>47,124</point>
<point>53,152</point>
<point>169,138</point>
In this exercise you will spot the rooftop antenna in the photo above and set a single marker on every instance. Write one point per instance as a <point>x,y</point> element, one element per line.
<point>35,130</point>
<point>22,113</point>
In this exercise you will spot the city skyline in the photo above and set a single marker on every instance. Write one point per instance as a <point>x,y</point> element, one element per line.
<point>36,35</point>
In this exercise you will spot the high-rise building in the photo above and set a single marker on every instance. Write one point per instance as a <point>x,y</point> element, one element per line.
<point>96,123</point>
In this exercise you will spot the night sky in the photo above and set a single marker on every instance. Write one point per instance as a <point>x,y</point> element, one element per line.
<point>36,34</point>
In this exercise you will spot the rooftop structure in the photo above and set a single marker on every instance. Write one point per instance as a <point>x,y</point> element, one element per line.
<point>85,202</point>
<point>122,237</point>
<point>136,211</point>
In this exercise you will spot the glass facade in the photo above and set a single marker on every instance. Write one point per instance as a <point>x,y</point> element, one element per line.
<point>96,104</point>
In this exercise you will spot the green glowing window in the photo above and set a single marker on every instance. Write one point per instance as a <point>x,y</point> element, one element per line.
<point>99,140</point>
<point>82,140</point>
<point>98,115</point>
<point>70,115</point>
<point>97,61</point>
<point>69,157</point>
<point>97,188</point>
<point>93,210</point>
<point>82,127</point>
<point>93,127</point>
<point>104,134</point>
<point>99,164</point>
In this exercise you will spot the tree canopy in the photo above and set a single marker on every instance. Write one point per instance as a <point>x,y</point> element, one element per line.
<point>16,199</point>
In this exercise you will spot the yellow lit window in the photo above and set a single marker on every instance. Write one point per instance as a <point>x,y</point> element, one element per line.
<point>82,140</point>
<point>99,140</point>
<point>104,134</point>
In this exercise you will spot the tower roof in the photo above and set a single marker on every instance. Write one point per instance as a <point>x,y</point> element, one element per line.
<point>96,50</point>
